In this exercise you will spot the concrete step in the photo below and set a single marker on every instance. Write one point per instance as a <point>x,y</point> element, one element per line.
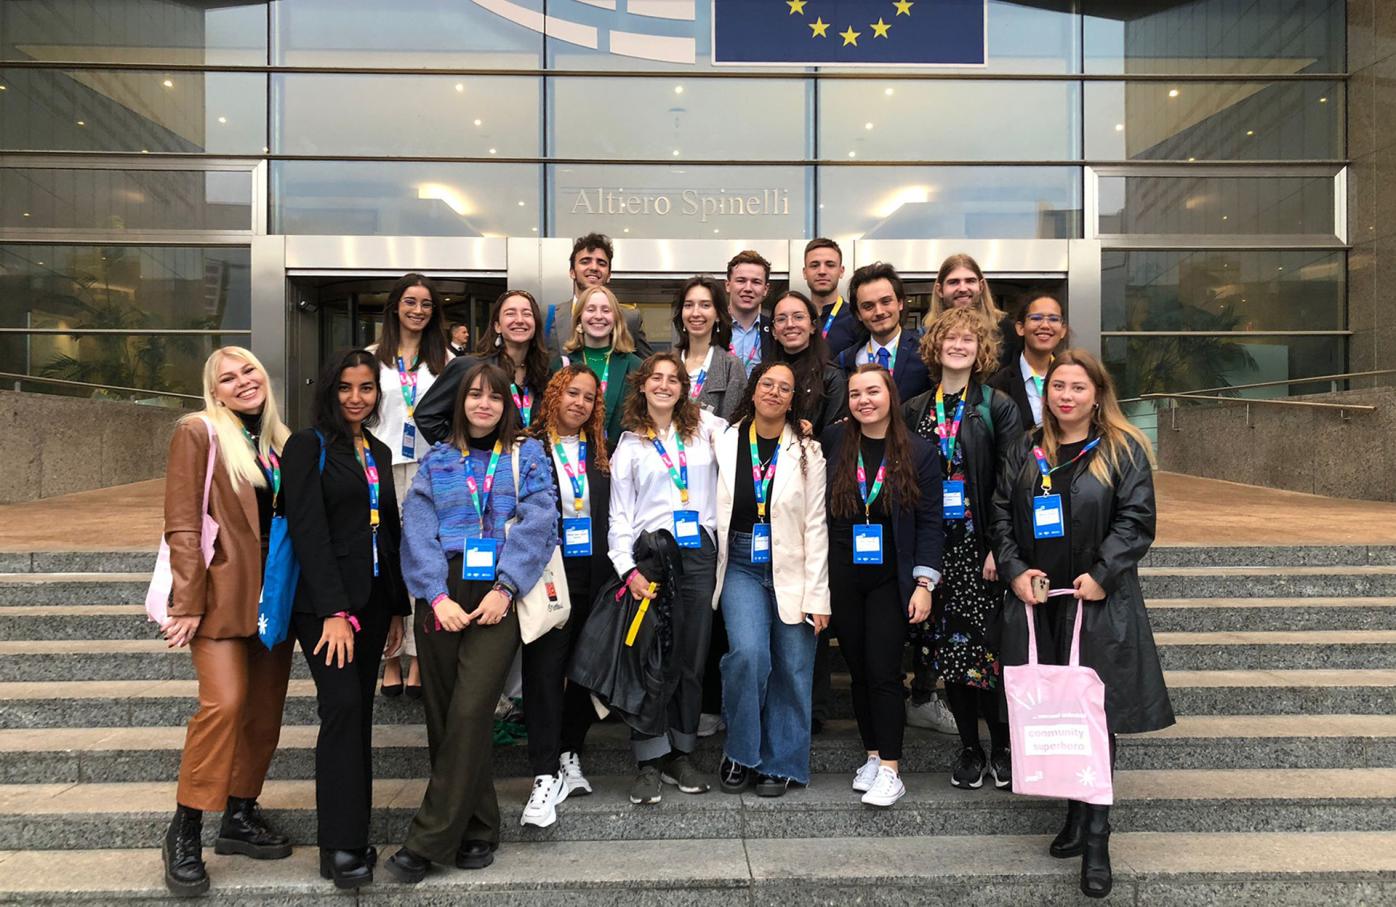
<point>81,588</point>
<point>1274,868</point>
<point>79,816</point>
<point>1267,582</point>
<point>75,622</point>
<point>93,755</point>
<point>142,561</point>
<point>1198,615</point>
<point>1269,556</point>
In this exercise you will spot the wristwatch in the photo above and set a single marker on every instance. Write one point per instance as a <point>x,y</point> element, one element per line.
<point>926,583</point>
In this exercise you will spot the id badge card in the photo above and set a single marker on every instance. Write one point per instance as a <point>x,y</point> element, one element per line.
<point>686,529</point>
<point>1047,517</point>
<point>576,537</point>
<point>409,440</point>
<point>867,543</point>
<point>761,543</point>
<point>953,500</point>
<point>479,559</point>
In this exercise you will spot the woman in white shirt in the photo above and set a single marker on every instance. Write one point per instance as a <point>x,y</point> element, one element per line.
<point>411,352</point>
<point>663,476</point>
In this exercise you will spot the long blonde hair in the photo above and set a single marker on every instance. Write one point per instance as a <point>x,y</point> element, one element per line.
<point>986,297</point>
<point>233,449</point>
<point>1108,421</point>
<point>621,341</point>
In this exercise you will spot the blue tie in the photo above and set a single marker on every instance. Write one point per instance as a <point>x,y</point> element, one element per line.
<point>884,358</point>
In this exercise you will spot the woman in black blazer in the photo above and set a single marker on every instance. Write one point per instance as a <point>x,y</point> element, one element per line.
<point>342,515</point>
<point>885,544</point>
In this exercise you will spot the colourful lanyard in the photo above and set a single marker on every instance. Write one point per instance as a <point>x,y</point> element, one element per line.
<point>474,489</point>
<point>696,388</point>
<point>1042,467</point>
<point>371,474</point>
<point>829,322</point>
<point>408,380</point>
<point>948,434</point>
<point>605,370</point>
<point>761,482</point>
<point>754,353</point>
<point>680,475</point>
<point>1039,382</point>
<point>891,354</point>
<point>578,477</point>
<point>863,485</point>
<point>524,401</point>
<point>271,467</point>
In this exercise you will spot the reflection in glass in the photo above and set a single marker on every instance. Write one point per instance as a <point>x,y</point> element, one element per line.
<point>135,31</point>
<point>126,199</point>
<point>949,120</point>
<point>1214,121</point>
<point>154,111</point>
<point>1217,205</point>
<point>374,198</point>
<point>1159,365</point>
<point>407,115</point>
<point>950,202</point>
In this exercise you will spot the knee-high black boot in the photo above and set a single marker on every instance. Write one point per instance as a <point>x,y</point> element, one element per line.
<point>1095,855</point>
<point>1070,839</point>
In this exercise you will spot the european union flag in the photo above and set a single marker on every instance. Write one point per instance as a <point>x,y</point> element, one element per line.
<point>851,32</point>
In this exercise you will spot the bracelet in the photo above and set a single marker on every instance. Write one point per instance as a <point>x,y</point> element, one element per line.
<point>925,582</point>
<point>439,599</point>
<point>505,591</point>
<point>353,621</point>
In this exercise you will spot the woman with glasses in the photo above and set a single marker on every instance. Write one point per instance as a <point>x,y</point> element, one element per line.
<point>1042,326</point>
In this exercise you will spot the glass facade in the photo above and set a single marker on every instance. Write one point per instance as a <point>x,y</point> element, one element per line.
<point>193,125</point>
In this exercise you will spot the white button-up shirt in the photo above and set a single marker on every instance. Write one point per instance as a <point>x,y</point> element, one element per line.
<point>392,409</point>
<point>867,352</point>
<point>570,444</point>
<point>1034,395</point>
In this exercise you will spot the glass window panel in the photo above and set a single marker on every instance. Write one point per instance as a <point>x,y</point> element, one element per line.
<point>374,198</point>
<point>950,202</point>
<point>1223,290</point>
<point>126,199</point>
<point>1227,121</point>
<point>412,34</point>
<point>682,202</point>
<point>1217,205</point>
<point>949,120</point>
<point>102,110</point>
<point>1162,365</point>
<point>1215,36</point>
<point>684,119</point>
<point>430,116</point>
<point>185,32</point>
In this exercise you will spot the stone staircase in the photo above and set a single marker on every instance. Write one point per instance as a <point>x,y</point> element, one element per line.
<point>1277,786</point>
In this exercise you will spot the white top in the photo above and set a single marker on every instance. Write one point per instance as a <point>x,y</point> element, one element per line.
<point>564,484</point>
<point>1034,395</point>
<point>867,352</point>
<point>644,497</point>
<point>392,410</point>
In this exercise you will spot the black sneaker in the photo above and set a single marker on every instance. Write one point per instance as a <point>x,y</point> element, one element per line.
<point>969,768</point>
<point>733,778</point>
<point>681,772</point>
<point>1001,767</point>
<point>771,786</point>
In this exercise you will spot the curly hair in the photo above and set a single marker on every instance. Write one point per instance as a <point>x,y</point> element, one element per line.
<point>546,419</point>
<point>903,490</point>
<point>635,412</point>
<point>986,340</point>
<point>746,409</point>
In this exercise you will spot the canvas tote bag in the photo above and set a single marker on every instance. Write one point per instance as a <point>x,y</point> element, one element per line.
<point>157,596</point>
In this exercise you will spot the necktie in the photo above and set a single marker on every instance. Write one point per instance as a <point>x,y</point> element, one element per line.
<point>884,358</point>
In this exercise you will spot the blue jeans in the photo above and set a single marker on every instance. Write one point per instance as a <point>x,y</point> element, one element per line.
<point>767,673</point>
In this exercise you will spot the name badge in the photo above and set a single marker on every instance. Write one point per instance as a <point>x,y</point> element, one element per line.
<point>409,440</point>
<point>1047,517</point>
<point>953,500</point>
<point>576,537</point>
<point>686,529</point>
<point>761,543</point>
<point>867,543</point>
<point>479,559</point>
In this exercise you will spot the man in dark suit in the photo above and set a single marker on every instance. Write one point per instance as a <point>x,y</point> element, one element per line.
<point>589,266</point>
<point>823,269</point>
<point>879,302</point>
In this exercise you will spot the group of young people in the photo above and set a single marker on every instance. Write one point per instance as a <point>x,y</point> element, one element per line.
<point>818,466</point>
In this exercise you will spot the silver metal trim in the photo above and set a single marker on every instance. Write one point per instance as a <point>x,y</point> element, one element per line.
<point>1283,382</point>
<point>396,253</point>
<point>134,332</point>
<point>1204,242</point>
<point>124,160</point>
<point>49,236</point>
<point>1217,333</point>
<point>1084,290</point>
<point>271,311</point>
<point>921,258</point>
<point>109,387</point>
<point>1263,401</point>
<point>1340,204</point>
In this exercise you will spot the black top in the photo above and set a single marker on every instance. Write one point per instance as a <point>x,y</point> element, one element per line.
<point>484,442</point>
<point>841,528</point>
<point>744,494</point>
<point>1054,555</point>
<point>252,422</point>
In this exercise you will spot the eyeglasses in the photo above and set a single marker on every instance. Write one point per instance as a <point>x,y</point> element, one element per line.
<point>781,388</point>
<point>426,305</point>
<point>1049,319</point>
<point>792,318</point>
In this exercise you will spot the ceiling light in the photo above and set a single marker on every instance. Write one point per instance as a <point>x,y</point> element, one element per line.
<point>678,89</point>
<point>452,197</point>
<point>1323,100</point>
<point>479,122</point>
<point>676,152</point>
<point>168,83</point>
<point>521,204</point>
<point>1250,132</point>
<point>852,154</point>
<point>1226,217</point>
<point>626,230</point>
<point>535,229</point>
<point>715,230</point>
<point>1172,92</point>
<point>887,91</point>
<point>1119,127</point>
<point>222,119</point>
<point>460,86</point>
<point>3,87</point>
<point>1191,159</point>
<point>867,125</point>
<point>82,122</point>
<point>492,151</point>
<point>26,214</point>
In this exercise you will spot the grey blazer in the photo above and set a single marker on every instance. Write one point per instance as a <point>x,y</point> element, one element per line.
<point>724,386</point>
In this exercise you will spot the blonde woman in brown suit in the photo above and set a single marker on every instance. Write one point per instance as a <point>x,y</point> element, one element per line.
<point>213,611</point>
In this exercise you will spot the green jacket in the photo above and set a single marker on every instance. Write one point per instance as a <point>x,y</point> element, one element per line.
<point>617,387</point>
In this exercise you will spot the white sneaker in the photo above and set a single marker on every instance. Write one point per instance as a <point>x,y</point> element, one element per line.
<point>933,714</point>
<point>865,776</point>
<point>709,724</point>
<point>886,790</point>
<point>541,809</point>
<point>573,781</point>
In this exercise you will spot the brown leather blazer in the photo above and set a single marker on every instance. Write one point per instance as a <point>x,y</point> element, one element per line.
<point>226,591</point>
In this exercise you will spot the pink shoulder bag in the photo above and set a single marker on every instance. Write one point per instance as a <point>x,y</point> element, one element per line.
<point>157,597</point>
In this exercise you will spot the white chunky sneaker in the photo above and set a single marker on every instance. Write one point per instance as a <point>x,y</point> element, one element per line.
<point>541,809</point>
<point>865,776</point>
<point>573,781</point>
<point>886,790</point>
<point>933,714</point>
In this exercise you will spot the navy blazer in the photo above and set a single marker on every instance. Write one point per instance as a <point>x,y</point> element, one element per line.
<point>918,535</point>
<point>846,331</point>
<point>908,372</point>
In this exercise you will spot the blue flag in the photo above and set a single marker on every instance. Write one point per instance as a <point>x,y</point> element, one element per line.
<point>851,32</point>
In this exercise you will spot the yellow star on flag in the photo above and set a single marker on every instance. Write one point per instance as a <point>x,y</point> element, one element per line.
<point>820,28</point>
<point>796,6</point>
<point>903,7</point>
<point>849,36</point>
<point>879,28</point>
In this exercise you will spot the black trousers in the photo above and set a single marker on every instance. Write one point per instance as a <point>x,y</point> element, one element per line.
<point>344,749</point>
<point>558,714</point>
<point>871,625</point>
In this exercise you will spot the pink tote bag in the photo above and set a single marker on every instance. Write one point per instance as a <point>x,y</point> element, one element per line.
<point>157,597</point>
<point>1056,726</point>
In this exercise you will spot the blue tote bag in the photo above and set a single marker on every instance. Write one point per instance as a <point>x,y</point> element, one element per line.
<point>279,581</point>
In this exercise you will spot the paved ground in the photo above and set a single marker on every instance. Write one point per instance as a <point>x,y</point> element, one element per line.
<point>1192,511</point>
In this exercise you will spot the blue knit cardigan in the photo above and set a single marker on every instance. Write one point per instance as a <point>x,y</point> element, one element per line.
<point>438,515</point>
